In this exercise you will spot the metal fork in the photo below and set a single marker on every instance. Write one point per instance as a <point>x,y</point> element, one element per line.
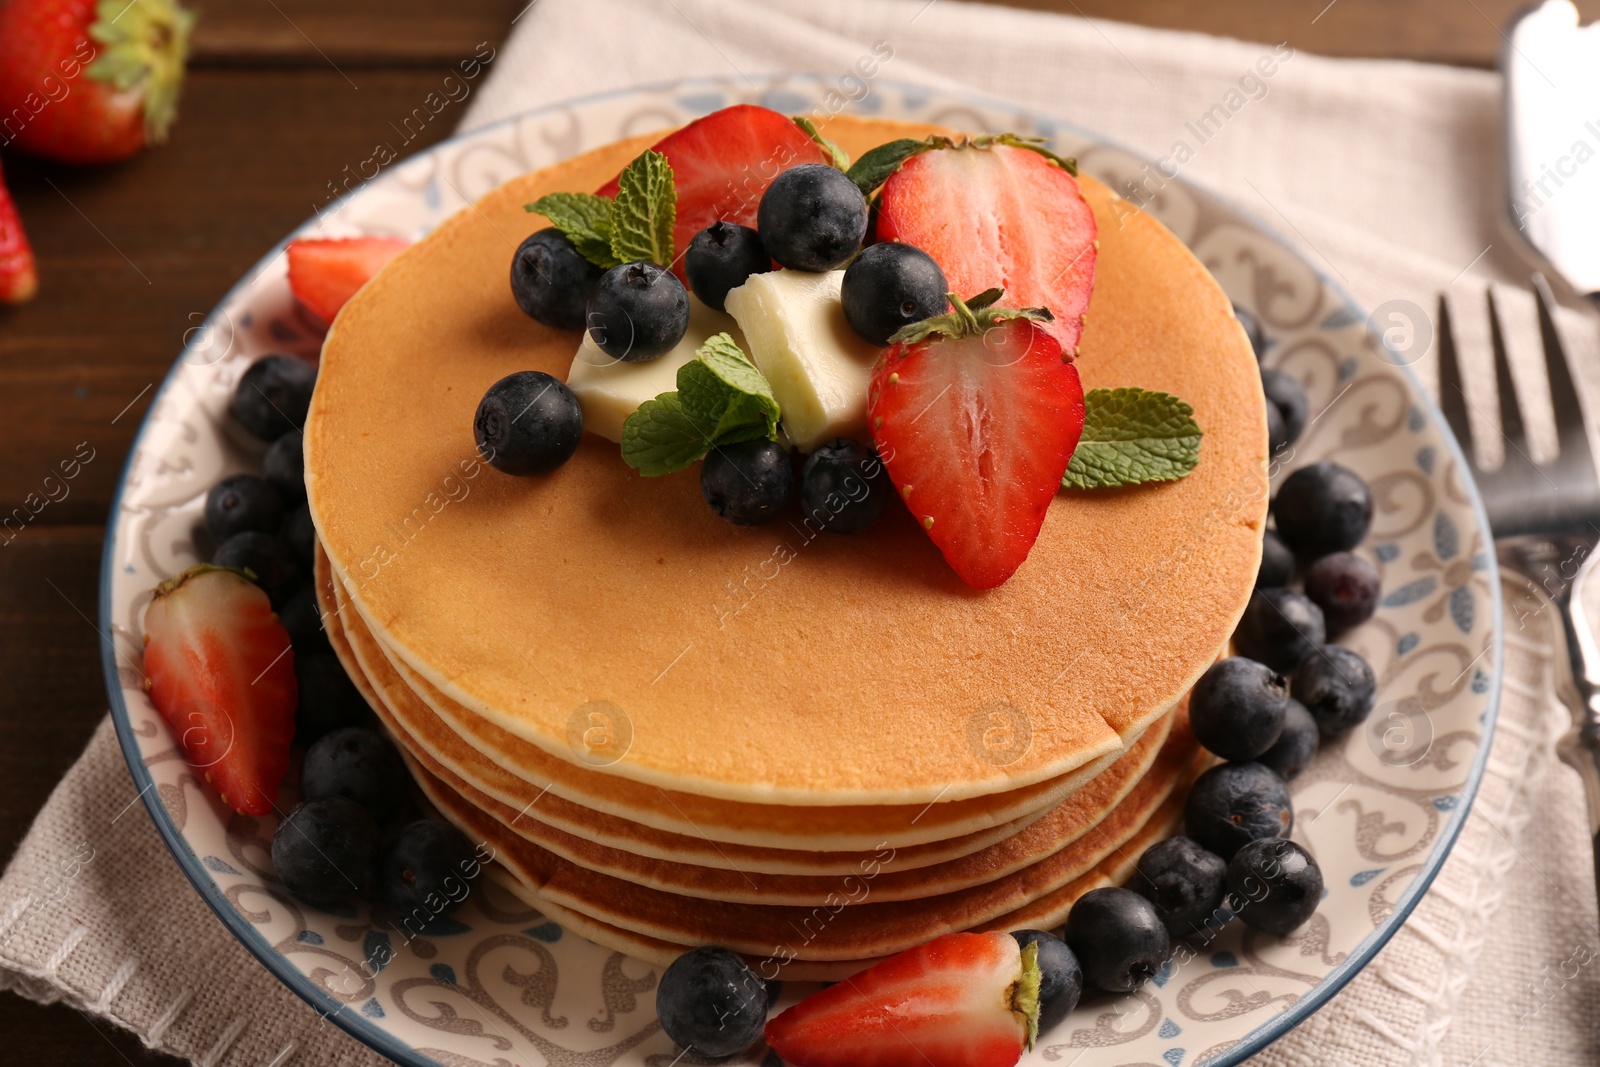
<point>1545,518</point>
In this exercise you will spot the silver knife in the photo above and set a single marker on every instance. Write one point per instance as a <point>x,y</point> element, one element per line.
<point>1552,95</point>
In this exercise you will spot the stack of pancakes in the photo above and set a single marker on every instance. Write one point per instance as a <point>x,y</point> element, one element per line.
<point>815,750</point>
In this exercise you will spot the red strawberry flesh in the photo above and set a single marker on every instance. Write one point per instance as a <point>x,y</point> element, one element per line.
<point>976,433</point>
<point>218,668</point>
<point>949,1003</point>
<point>722,163</point>
<point>999,216</point>
<point>324,273</point>
<point>19,275</point>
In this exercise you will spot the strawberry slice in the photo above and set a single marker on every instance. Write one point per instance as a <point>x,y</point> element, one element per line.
<point>324,273</point>
<point>961,1000</point>
<point>976,414</point>
<point>218,667</point>
<point>19,275</point>
<point>992,213</point>
<point>721,164</point>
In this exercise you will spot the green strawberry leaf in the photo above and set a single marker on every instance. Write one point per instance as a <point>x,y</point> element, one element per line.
<point>1132,436</point>
<point>967,318</point>
<point>722,399</point>
<point>836,155</point>
<point>647,206</point>
<point>877,164</point>
<point>585,219</point>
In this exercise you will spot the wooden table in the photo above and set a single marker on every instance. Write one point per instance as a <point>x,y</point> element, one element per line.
<point>282,95</point>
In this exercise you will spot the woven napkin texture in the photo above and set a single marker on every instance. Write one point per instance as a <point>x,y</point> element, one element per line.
<point>1383,173</point>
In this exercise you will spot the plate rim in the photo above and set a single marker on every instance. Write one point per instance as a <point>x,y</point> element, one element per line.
<point>385,1041</point>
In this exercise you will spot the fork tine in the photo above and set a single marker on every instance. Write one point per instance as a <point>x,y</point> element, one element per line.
<point>1510,412</point>
<point>1452,401</point>
<point>1563,393</point>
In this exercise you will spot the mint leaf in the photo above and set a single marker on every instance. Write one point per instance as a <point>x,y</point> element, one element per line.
<point>836,155</point>
<point>722,399</point>
<point>646,208</point>
<point>661,437</point>
<point>585,219</point>
<point>1131,436</point>
<point>875,166</point>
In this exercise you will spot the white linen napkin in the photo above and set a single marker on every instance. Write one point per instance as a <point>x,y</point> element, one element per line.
<point>1387,176</point>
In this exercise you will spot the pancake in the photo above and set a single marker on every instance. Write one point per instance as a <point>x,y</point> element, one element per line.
<point>399,710</point>
<point>516,772</point>
<point>851,924</point>
<point>1056,830</point>
<point>1050,913</point>
<point>861,671</point>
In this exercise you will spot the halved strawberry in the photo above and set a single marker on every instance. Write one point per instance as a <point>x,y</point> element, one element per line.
<point>721,164</point>
<point>961,1000</point>
<point>976,414</point>
<point>996,214</point>
<point>324,273</point>
<point>218,667</point>
<point>19,274</point>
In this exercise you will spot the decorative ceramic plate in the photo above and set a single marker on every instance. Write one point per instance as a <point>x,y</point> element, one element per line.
<point>500,984</point>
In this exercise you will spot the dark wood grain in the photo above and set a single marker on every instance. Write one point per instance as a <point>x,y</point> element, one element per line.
<point>349,34</point>
<point>283,95</point>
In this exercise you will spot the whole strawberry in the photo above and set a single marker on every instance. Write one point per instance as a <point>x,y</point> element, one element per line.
<point>218,667</point>
<point>976,414</point>
<point>961,1000</point>
<point>19,279</point>
<point>82,82</point>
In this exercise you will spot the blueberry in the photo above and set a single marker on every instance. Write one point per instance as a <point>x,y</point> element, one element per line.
<point>360,764</point>
<point>1275,885</point>
<point>285,467</point>
<point>721,258</point>
<point>242,503</point>
<point>747,483</point>
<point>1277,562</point>
<point>325,850</point>
<point>1345,587</point>
<point>891,285</point>
<point>1337,688</point>
<point>1185,882</point>
<point>551,281</point>
<point>844,486</point>
<point>1297,744</point>
<point>638,312</point>
<point>1234,803</point>
<point>300,535</point>
<point>1236,708</point>
<point>1252,329</point>
<point>273,396</point>
<point>1322,508</point>
<point>1280,628</point>
<point>329,700</point>
<point>710,1001</point>
<point>812,217</point>
<point>1287,397</point>
<point>1118,937</point>
<point>426,871</point>
<point>1276,434</point>
<point>302,618</point>
<point>528,423</point>
<point>267,558</point>
<point>1060,976</point>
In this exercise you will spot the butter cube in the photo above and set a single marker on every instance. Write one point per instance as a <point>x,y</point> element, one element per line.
<point>609,390</point>
<point>817,365</point>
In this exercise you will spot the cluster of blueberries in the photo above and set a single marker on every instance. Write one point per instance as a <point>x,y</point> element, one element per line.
<point>1265,711</point>
<point>811,218</point>
<point>353,784</point>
